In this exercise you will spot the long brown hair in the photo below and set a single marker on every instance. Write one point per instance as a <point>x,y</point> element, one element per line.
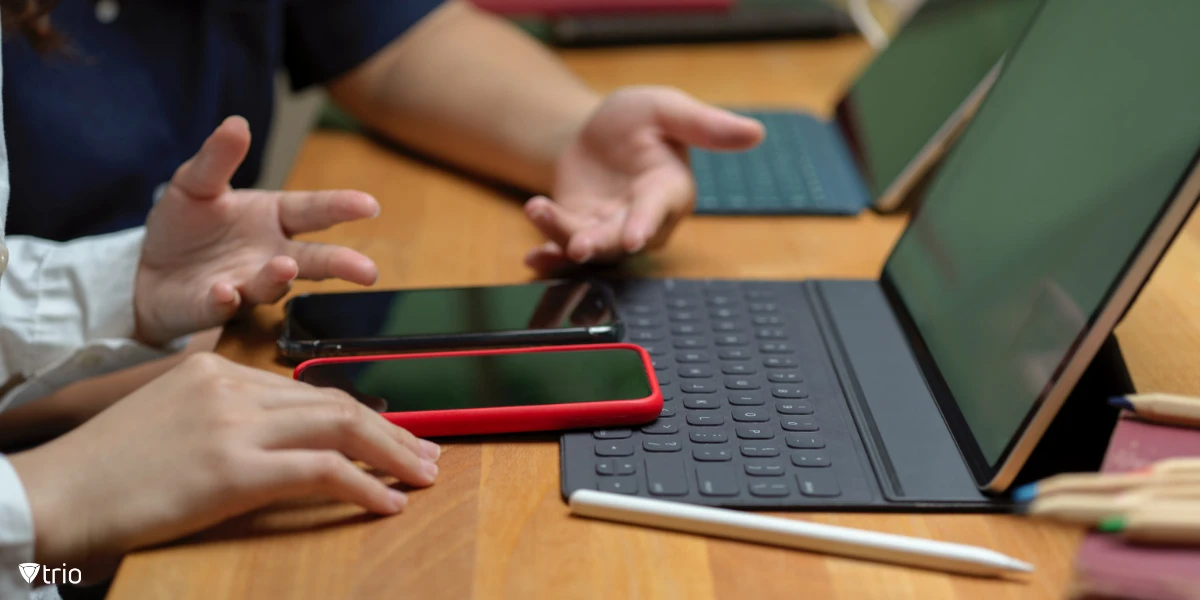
<point>31,18</point>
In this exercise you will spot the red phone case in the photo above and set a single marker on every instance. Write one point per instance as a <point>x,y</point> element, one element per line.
<point>513,419</point>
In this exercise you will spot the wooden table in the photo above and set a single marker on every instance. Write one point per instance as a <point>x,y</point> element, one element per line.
<point>495,524</point>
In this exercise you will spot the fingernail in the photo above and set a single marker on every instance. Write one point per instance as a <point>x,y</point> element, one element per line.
<point>430,450</point>
<point>431,469</point>
<point>637,245</point>
<point>399,499</point>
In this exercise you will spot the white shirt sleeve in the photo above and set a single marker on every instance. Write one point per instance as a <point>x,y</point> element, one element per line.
<point>66,313</point>
<point>16,533</point>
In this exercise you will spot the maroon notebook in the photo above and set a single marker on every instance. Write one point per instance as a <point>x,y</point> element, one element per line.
<point>1107,567</point>
<point>580,7</point>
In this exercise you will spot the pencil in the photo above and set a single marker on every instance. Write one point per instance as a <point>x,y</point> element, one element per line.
<point>830,539</point>
<point>1184,471</point>
<point>1162,408</point>
<point>1091,509</point>
<point>1165,522</point>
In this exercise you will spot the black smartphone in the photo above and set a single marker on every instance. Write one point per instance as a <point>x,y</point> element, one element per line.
<point>394,321</point>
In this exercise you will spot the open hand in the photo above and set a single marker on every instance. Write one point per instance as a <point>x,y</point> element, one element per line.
<point>211,250</point>
<point>624,182</point>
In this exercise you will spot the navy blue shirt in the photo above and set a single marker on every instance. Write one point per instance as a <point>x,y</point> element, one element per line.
<point>94,131</point>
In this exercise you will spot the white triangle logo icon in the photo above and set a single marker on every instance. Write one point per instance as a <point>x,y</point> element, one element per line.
<point>29,571</point>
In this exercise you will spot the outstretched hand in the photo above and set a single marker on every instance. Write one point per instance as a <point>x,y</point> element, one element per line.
<point>211,250</point>
<point>623,183</point>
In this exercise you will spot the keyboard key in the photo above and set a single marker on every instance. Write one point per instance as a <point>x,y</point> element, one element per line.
<point>619,485</point>
<point>654,349</point>
<point>734,354</point>
<point>667,411</point>
<point>771,334</point>
<point>810,458</point>
<point>666,475</point>
<point>692,357</point>
<point>707,437</point>
<point>689,343</point>
<point>778,362</point>
<point>750,415</point>
<point>821,484</point>
<point>760,450</point>
<point>712,454</point>
<point>731,340</point>
<point>761,307</point>
<point>755,433</point>
<point>660,364</point>
<point>704,419</point>
<point>721,300</point>
<point>774,348</point>
<point>614,449</point>
<point>760,295</point>
<point>611,434</point>
<point>794,408</point>
<point>785,377</point>
<point>764,469</point>
<point>681,303</point>
<point>766,320</point>
<point>686,329</point>
<point>717,480</point>
<point>642,309</point>
<point>698,387</point>
<point>661,428</point>
<point>663,379</point>
<point>702,402</point>
<point>656,446</point>
<point>746,399</point>
<point>606,467</point>
<point>643,322</point>
<point>799,425</point>
<point>770,490</point>
<point>723,313</point>
<point>805,441</point>
<point>726,327</point>
<point>684,315</point>
<point>668,394</point>
<point>789,391</point>
<point>645,336</point>
<point>695,372</point>
<point>741,383</point>
<point>738,369</point>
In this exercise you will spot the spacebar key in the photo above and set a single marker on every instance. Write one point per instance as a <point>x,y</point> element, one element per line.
<point>666,475</point>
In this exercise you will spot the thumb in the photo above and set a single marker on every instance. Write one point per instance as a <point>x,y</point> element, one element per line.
<point>207,174</point>
<point>698,124</point>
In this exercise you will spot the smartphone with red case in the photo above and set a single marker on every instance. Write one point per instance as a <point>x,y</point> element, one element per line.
<point>507,390</point>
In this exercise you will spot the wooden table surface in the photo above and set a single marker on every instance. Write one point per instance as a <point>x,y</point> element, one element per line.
<point>495,525</point>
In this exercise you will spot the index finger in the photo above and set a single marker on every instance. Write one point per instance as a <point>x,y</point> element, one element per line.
<point>303,212</point>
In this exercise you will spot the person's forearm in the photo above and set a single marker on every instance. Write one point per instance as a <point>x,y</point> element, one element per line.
<point>470,89</point>
<point>46,418</point>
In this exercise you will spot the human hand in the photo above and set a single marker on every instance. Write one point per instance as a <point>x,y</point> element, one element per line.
<point>211,250</point>
<point>206,442</point>
<point>623,183</point>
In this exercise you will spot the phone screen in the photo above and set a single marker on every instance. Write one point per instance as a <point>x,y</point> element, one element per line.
<point>488,380</point>
<point>473,310</point>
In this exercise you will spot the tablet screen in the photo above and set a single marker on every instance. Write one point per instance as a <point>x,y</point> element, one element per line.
<point>910,90</point>
<point>1048,197</point>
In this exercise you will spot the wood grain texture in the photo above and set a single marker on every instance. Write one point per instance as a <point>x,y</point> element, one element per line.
<point>495,526</point>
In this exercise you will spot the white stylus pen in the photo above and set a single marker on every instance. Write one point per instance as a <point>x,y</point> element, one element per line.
<point>830,539</point>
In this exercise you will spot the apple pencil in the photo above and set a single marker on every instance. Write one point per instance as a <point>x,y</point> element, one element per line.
<point>830,539</point>
<point>1168,409</point>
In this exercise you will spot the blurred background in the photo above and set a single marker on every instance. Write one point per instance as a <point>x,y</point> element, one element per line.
<point>591,23</point>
